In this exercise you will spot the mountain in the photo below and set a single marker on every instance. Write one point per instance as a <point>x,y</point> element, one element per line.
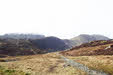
<point>36,42</point>
<point>28,44</point>
<point>51,44</point>
<point>14,47</point>
<point>70,43</point>
<point>22,36</point>
<point>84,38</point>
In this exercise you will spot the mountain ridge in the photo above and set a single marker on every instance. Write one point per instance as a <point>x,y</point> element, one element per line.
<point>84,38</point>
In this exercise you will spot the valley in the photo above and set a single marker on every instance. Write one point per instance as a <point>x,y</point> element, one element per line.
<point>42,64</point>
<point>44,56</point>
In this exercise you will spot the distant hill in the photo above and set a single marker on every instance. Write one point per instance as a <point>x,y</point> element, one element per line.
<point>84,38</point>
<point>22,36</point>
<point>51,44</point>
<point>101,47</point>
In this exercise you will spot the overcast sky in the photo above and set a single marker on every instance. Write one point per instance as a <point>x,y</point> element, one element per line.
<point>61,18</point>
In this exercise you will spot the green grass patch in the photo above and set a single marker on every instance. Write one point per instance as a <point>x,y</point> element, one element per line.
<point>5,71</point>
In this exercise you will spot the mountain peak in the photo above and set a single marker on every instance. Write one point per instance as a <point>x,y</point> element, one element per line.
<point>84,38</point>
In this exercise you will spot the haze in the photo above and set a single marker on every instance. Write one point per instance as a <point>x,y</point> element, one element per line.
<point>61,18</point>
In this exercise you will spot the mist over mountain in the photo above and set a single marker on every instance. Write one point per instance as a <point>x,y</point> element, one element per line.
<point>22,36</point>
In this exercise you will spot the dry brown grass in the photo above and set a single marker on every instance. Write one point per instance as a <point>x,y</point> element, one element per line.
<point>104,63</point>
<point>88,51</point>
<point>95,57</point>
<point>45,64</point>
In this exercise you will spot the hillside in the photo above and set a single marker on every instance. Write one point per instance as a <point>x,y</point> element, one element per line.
<point>13,47</point>
<point>28,44</point>
<point>84,38</point>
<point>97,55</point>
<point>70,43</point>
<point>51,44</point>
<point>91,48</point>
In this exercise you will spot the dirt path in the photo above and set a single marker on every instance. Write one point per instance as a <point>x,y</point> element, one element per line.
<point>82,67</point>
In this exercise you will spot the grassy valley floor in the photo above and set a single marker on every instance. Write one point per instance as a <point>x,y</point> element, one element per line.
<point>42,64</point>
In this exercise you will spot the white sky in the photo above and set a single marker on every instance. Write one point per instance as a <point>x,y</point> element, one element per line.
<point>61,18</point>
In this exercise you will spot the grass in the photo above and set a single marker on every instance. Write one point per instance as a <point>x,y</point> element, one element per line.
<point>95,57</point>
<point>103,41</point>
<point>5,71</point>
<point>99,63</point>
<point>43,64</point>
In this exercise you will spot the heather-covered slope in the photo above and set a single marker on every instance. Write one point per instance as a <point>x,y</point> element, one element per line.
<point>91,48</point>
